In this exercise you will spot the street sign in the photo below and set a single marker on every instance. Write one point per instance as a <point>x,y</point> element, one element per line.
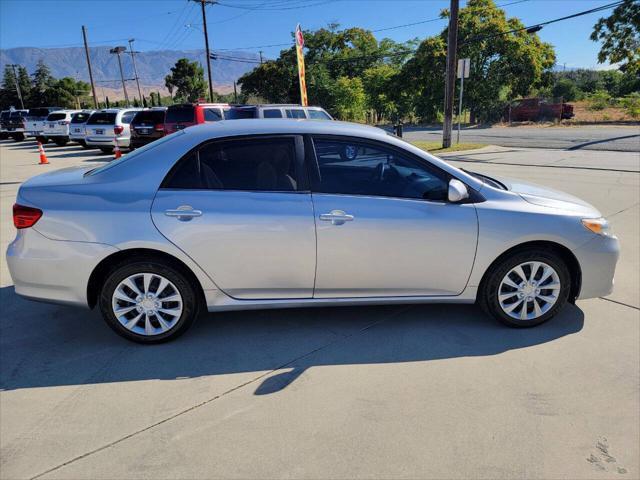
<point>464,67</point>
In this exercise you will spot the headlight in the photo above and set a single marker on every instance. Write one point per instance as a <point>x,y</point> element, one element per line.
<point>599,226</point>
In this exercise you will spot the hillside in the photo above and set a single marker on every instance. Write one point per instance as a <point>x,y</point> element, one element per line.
<point>152,66</point>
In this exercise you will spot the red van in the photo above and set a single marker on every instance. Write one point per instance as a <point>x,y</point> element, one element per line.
<point>187,114</point>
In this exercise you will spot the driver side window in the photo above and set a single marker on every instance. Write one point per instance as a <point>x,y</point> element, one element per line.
<point>360,168</point>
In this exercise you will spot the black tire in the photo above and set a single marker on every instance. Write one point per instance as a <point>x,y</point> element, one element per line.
<point>60,142</point>
<point>488,293</point>
<point>190,298</point>
<point>18,137</point>
<point>84,145</point>
<point>42,139</point>
<point>106,150</point>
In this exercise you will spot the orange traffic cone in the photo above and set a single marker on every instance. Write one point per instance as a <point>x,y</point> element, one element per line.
<point>43,156</point>
<point>116,150</point>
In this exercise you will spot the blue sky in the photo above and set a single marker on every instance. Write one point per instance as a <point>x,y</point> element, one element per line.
<point>161,23</point>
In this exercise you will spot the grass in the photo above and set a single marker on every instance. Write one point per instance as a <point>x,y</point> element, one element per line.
<point>436,147</point>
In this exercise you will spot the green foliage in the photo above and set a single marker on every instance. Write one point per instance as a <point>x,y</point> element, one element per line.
<point>187,78</point>
<point>565,89</point>
<point>620,36</point>
<point>42,81</point>
<point>350,99</point>
<point>599,100</point>
<point>631,105</point>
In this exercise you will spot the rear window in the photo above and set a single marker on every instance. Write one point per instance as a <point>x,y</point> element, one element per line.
<point>127,117</point>
<point>180,114</point>
<point>318,115</point>
<point>102,118</point>
<point>38,112</point>
<point>148,117</point>
<point>56,116</point>
<point>272,113</point>
<point>238,113</point>
<point>80,117</point>
<point>5,114</point>
<point>212,114</point>
<point>17,114</point>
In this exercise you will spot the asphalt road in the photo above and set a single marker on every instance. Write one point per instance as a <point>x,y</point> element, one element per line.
<point>612,138</point>
<point>435,391</point>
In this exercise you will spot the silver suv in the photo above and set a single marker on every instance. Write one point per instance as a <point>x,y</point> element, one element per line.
<point>107,127</point>
<point>277,111</point>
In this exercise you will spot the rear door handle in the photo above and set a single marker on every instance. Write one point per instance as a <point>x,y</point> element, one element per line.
<point>336,217</point>
<point>183,213</point>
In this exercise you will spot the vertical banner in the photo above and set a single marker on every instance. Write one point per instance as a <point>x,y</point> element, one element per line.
<point>303,83</point>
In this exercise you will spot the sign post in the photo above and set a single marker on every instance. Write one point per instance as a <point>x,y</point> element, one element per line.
<point>464,66</point>
<point>303,83</point>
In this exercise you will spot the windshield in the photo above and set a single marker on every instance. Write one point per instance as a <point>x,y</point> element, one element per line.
<point>102,118</point>
<point>133,155</point>
<point>183,113</point>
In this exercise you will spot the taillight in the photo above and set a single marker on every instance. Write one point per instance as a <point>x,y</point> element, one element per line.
<point>118,129</point>
<point>25,217</point>
<point>159,127</point>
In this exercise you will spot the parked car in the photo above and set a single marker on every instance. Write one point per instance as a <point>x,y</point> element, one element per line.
<point>77,127</point>
<point>277,111</point>
<point>147,126</point>
<point>270,214</point>
<point>4,124</point>
<point>34,124</point>
<point>181,116</point>
<point>535,109</point>
<point>57,126</point>
<point>106,127</point>
<point>15,124</point>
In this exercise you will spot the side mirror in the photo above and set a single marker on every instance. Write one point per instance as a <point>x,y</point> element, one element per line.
<point>457,191</point>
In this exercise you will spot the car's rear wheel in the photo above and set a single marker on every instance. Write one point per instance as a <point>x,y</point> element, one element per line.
<point>83,144</point>
<point>106,149</point>
<point>148,301</point>
<point>60,142</point>
<point>526,288</point>
<point>18,137</point>
<point>42,139</point>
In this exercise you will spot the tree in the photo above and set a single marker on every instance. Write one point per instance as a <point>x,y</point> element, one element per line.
<point>350,99</point>
<point>187,78</point>
<point>42,81</point>
<point>620,36</point>
<point>566,89</point>
<point>66,93</point>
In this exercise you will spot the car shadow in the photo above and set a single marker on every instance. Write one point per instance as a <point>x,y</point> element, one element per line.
<point>47,345</point>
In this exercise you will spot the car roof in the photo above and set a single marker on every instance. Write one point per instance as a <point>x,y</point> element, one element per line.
<point>254,126</point>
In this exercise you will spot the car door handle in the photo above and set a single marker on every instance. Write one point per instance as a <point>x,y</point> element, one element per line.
<point>184,213</point>
<point>336,217</point>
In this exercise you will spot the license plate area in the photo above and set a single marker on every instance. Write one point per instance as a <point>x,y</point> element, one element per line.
<point>99,131</point>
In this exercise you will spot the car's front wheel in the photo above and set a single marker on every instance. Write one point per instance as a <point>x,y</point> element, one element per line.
<point>526,288</point>
<point>148,301</point>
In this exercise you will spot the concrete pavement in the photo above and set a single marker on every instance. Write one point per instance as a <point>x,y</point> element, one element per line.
<point>598,137</point>
<point>370,392</point>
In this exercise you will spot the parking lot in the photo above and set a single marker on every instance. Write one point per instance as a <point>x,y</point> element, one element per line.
<point>422,391</point>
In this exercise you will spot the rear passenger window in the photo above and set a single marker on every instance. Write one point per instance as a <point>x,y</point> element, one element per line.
<point>256,165</point>
<point>212,115</point>
<point>295,113</point>
<point>272,113</point>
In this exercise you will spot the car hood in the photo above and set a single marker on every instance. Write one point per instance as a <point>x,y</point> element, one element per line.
<point>548,197</point>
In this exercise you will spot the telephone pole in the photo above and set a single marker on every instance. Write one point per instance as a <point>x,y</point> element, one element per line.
<point>135,70</point>
<point>118,51</point>
<point>86,51</point>
<point>450,79</point>
<point>15,79</point>
<point>203,3</point>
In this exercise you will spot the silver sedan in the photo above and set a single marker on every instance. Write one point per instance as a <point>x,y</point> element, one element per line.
<point>251,214</point>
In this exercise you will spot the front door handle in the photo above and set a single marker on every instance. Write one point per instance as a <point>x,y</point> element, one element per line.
<point>184,213</point>
<point>336,217</point>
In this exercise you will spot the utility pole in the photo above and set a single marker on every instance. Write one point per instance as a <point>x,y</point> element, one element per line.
<point>260,57</point>
<point>135,70</point>
<point>235,92</point>
<point>203,3</point>
<point>118,51</point>
<point>15,79</point>
<point>86,51</point>
<point>450,79</point>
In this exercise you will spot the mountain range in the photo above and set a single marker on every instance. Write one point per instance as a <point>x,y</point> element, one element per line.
<point>152,66</point>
